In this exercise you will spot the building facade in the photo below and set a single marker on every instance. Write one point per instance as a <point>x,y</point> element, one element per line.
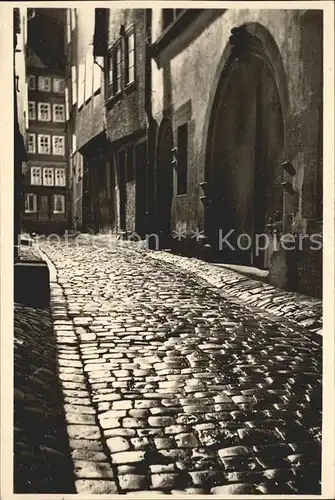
<point>20,117</point>
<point>109,125</point>
<point>237,98</point>
<point>46,175</point>
<point>84,81</point>
<point>203,127</point>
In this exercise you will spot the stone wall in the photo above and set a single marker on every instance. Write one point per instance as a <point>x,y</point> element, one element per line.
<point>188,70</point>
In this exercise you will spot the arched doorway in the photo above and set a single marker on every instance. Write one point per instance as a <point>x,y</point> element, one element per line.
<point>164,182</point>
<point>245,147</point>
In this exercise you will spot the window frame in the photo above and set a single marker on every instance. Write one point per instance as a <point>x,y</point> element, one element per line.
<point>73,19</point>
<point>47,78</point>
<point>112,90</point>
<point>129,32</point>
<point>54,114</point>
<point>54,138</point>
<point>39,141</point>
<point>33,177</point>
<point>59,79</point>
<point>54,198</point>
<point>32,117</point>
<point>39,114</point>
<point>34,197</point>
<point>74,80</point>
<point>46,174</point>
<point>63,171</point>
<point>31,136</point>
<point>33,79</point>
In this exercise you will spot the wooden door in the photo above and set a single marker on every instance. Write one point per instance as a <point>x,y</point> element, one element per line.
<point>245,175</point>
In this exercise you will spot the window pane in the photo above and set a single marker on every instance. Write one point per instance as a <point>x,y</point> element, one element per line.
<point>58,203</point>
<point>31,143</point>
<point>118,53</point>
<point>111,68</point>
<point>44,111</point>
<point>31,110</point>
<point>131,74</point>
<point>44,83</point>
<point>58,112</point>
<point>59,85</point>
<point>131,41</point>
<point>74,84</point>
<point>31,82</point>
<point>58,145</point>
<point>44,144</point>
<point>30,203</point>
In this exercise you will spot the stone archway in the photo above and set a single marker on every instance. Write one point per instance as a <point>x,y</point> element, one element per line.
<point>244,150</point>
<point>164,181</point>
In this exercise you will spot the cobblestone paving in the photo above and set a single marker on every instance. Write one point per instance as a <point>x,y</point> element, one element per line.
<point>170,387</point>
<point>42,462</point>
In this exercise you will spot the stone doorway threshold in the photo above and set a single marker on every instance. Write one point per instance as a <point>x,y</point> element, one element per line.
<point>252,272</point>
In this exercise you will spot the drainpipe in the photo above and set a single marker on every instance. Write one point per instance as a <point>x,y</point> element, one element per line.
<point>151,133</point>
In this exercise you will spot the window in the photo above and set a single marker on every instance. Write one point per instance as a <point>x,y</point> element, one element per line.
<point>30,203</point>
<point>67,109</point>
<point>182,159</point>
<point>44,83</point>
<point>58,204</point>
<point>48,176</point>
<point>81,84</point>
<point>60,177</point>
<point>44,111</point>
<point>68,25</point>
<point>73,19</point>
<point>74,84</point>
<point>58,112</point>
<point>31,82</point>
<point>74,143</point>
<point>115,69</point>
<point>31,143</point>
<point>130,57</point>
<point>31,110</point>
<point>58,145</point>
<point>169,16</point>
<point>26,106</point>
<point>36,176</point>
<point>44,146</point>
<point>58,85</point>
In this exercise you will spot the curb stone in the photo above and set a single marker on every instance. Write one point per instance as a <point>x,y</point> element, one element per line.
<point>92,477</point>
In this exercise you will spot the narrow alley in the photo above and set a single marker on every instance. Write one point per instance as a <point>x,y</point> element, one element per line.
<point>172,388</point>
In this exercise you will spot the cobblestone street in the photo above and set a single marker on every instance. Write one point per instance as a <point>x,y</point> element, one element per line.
<point>171,387</point>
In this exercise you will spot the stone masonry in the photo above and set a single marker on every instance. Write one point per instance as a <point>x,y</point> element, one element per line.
<point>170,387</point>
